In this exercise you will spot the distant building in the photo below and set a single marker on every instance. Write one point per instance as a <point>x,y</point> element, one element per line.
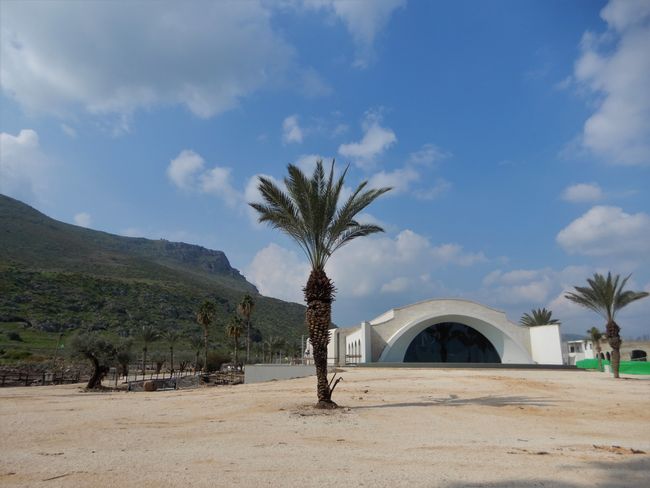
<point>574,351</point>
<point>444,331</point>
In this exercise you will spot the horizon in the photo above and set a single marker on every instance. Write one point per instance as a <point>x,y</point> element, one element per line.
<point>516,136</point>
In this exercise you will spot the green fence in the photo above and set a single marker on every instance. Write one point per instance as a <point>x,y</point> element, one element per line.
<point>627,367</point>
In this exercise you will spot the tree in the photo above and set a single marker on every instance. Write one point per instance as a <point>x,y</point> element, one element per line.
<point>311,214</point>
<point>124,356</point>
<point>172,336</point>
<point>272,344</point>
<point>196,343</point>
<point>98,351</point>
<point>595,336</point>
<point>234,330</point>
<point>539,316</point>
<point>206,314</point>
<point>148,334</point>
<point>606,297</point>
<point>245,308</point>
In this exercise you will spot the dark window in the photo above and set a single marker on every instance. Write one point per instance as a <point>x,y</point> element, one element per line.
<point>608,356</point>
<point>450,342</point>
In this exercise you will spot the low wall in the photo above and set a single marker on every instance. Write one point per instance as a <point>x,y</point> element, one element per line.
<point>257,373</point>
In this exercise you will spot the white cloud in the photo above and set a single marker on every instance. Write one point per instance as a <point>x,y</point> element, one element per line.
<point>364,20</point>
<point>369,266</point>
<point>400,180</point>
<point>312,84</point>
<point>582,192</point>
<point>615,68</point>
<point>307,162</point>
<point>291,131</point>
<point>607,231</point>
<point>69,131</point>
<point>184,169</point>
<point>278,272</point>
<point>428,154</point>
<point>440,188</point>
<point>23,167</point>
<point>217,182</point>
<point>97,56</point>
<point>83,219</point>
<point>187,171</point>
<point>375,141</point>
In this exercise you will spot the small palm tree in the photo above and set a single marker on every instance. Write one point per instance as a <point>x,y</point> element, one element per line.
<point>148,334</point>
<point>204,317</point>
<point>196,343</point>
<point>311,214</point>
<point>234,331</point>
<point>273,343</point>
<point>595,336</point>
<point>539,316</point>
<point>245,308</point>
<point>172,336</point>
<point>606,297</point>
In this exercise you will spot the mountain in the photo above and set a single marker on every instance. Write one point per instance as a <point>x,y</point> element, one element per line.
<point>57,276</point>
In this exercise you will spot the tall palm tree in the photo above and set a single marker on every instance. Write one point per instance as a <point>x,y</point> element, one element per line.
<point>595,336</point>
<point>234,330</point>
<point>245,308</point>
<point>172,336</point>
<point>311,214</point>
<point>206,314</point>
<point>148,334</point>
<point>605,296</point>
<point>539,316</point>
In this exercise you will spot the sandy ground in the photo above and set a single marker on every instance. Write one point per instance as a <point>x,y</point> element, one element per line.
<point>398,427</point>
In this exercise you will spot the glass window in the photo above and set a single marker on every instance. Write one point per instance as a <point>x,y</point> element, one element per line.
<point>451,342</point>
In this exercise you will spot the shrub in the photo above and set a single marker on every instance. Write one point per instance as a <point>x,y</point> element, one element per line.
<point>14,336</point>
<point>216,359</point>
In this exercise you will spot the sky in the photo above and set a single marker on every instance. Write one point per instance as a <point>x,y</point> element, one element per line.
<point>515,135</point>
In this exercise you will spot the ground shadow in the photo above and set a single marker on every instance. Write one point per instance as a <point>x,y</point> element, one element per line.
<point>455,401</point>
<point>625,473</point>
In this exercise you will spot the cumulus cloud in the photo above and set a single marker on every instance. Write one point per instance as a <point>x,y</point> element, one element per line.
<point>366,267</point>
<point>187,172</point>
<point>582,192</point>
<point>607,231</point>
<point>83,219</point>
<point>400,180</point>
<point>375,141</point>
<point>364,20</point>
<point>60,56</point>
<point>23,167</point>
<point>291,131</point>
<point>615,68</point>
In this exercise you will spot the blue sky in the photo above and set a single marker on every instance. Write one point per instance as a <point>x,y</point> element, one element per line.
<point>516,135</point>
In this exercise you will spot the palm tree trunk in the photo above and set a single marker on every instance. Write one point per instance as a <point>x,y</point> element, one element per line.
<point>600,361</point>
<point>614,339</point>
<point>205,359</point>
<point>248,340</point>
<point>144,362</point>
<point>171,366</point>
<point>319,294</point>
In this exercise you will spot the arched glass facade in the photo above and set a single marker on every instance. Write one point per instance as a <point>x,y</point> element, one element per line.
<point>451,342</point>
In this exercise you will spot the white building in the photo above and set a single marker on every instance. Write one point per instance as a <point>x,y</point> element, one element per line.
<point>578,350</point>
<point>449,330</point>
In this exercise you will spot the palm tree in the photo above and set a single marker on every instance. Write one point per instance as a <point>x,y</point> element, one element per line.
<point>234,330</point>
<point>310,213</point>
<point>245,308</point>
<point>148,334</point>
<point>204,317</point>
<point>272,344</point>
<point>605,296</point>
<point>196,343</point>
<point>539,316</point>
<point>172,337</point>
<point>595,335</point>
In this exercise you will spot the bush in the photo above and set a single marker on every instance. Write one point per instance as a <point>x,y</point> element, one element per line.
<point>16,355</point>
<point>216,359</point>
<point>14,336</point>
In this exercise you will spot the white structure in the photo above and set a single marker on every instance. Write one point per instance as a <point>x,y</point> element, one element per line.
<point>578,350</point>
<point>449,330</point>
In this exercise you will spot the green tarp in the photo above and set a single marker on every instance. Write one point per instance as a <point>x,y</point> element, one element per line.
<point>627,367</point>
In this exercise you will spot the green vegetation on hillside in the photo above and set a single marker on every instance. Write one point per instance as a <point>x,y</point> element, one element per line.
<point>56,277</point>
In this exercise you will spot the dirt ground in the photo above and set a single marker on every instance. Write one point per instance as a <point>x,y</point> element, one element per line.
<point>398,427</point>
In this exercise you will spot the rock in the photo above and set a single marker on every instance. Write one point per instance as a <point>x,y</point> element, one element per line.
<point>149,386</point>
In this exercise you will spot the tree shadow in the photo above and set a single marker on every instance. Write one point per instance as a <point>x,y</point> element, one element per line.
<point>615,474</point>
<point>455,401</point>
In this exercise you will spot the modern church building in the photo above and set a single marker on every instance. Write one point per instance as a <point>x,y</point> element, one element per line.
<point>445,331</point>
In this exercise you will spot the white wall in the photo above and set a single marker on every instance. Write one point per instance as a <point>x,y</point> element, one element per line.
<point>545,344</point>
